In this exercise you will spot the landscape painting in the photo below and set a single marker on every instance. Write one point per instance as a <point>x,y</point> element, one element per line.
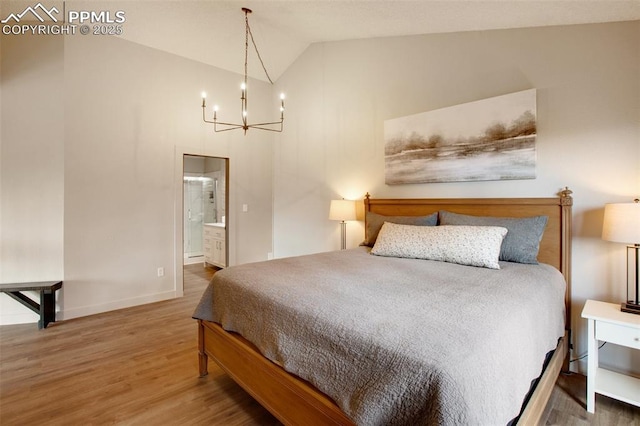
<point>490,139</point>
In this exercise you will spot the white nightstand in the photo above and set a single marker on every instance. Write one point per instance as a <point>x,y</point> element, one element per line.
<point>608,324</point>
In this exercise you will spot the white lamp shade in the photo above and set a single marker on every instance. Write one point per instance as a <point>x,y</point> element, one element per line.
<point>342,210</point>
<point>622,223</point>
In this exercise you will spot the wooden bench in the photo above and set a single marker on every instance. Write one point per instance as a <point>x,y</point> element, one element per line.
<point>47,306</point>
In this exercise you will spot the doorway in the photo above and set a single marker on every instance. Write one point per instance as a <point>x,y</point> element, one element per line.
<point>205,201</point>
<point>194,206</point>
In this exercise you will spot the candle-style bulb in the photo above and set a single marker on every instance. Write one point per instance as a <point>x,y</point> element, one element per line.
<point>204,97</point>
<point>282,96</point>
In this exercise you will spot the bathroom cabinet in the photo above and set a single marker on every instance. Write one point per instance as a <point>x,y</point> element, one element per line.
<point>215,245</point>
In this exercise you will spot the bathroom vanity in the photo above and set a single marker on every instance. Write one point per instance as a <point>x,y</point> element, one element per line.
<point>215,245</point>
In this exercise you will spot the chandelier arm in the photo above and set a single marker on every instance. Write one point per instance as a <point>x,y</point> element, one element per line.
<point>204,117</point>
<point>249,126</point>
<point>261,126</point>
<point>233,127</point>
<point>266,128</point>
<point>227,124</point>
<point>265,124</point>
<point>225,130</point>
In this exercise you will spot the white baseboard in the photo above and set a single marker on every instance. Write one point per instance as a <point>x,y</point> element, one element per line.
<point>19,318</point>
<point>27,316</point>
<point>580,366</point>
<point>84,311</point>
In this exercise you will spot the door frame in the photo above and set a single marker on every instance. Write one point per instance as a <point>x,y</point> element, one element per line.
<point>178,240</point>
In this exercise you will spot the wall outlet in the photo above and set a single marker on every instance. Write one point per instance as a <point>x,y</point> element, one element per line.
<point>269,255</point>
<point>161,272</point>
<point>245,207</point>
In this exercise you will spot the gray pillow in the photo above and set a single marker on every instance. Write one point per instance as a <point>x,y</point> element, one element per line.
<point>374,222</point>
<point>522,242</point>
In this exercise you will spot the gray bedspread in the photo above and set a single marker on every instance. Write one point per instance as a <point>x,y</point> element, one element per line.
<point>398,341</point>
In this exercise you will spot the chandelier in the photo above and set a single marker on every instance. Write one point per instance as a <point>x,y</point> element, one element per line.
<point>220,126</point>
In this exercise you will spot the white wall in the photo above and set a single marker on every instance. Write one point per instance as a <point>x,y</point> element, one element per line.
<point>109,167</point>
<point>588,97</point>
<point>31,166</point>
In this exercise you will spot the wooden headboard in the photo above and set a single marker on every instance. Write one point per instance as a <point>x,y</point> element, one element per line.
<point>555,247</point>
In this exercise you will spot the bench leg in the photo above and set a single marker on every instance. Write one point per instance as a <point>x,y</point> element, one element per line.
<point>47,308</point>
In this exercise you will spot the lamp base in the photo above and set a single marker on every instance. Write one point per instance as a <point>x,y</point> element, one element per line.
<point>630,307</point>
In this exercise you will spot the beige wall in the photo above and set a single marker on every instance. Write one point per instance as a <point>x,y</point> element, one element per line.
<point>588,97</point>
<point>31,165</point>
<point>109,167</point>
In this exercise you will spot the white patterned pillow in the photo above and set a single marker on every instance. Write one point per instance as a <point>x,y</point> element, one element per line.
<point>465,245</point>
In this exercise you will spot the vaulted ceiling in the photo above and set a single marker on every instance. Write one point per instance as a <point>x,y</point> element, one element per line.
<point>212,31</point>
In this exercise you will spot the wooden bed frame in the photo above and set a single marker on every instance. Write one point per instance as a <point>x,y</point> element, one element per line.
<point>294,401</point>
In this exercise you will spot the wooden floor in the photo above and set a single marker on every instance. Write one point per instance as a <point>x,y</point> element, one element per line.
<point>139,366</point>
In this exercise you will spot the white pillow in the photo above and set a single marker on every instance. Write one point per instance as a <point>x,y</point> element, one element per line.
<point>465,245</point>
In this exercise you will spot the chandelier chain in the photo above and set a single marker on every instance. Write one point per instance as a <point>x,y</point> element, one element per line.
<point>247,35</point>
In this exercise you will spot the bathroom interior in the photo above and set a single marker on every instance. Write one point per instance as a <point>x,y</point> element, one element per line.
<point>205,190</point>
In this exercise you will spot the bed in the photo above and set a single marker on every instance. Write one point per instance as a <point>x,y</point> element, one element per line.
<point>261,359</point>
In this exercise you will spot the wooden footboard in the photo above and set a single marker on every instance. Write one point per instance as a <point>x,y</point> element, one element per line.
<point>534,409</point>
<point>292,400</point>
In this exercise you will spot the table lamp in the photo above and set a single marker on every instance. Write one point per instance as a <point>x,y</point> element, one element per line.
<point>343,210</point>
<point>622,225</point>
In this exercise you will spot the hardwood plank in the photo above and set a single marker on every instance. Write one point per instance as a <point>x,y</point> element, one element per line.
<point>139,366</point>
<point>568,406</point>
<point>131,366</point>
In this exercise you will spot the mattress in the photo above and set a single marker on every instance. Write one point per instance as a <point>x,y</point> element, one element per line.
<point>398,341</point>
